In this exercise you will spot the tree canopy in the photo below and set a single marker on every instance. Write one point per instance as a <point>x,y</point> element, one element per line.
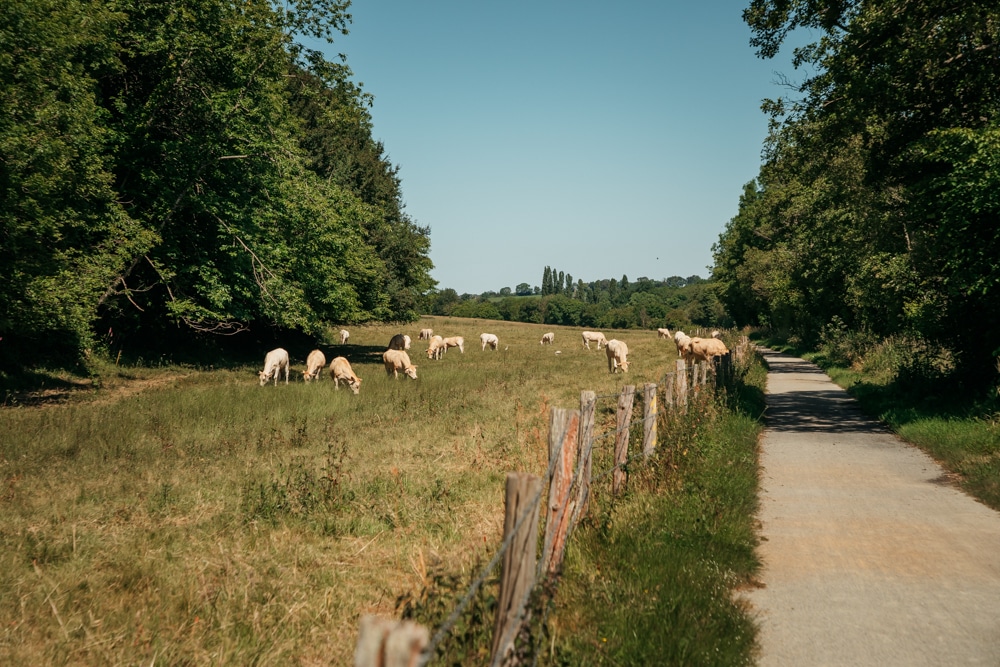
<point>877,204</point>
<point>191,164</point>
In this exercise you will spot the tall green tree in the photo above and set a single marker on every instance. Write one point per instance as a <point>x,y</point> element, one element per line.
<point>852,215</point>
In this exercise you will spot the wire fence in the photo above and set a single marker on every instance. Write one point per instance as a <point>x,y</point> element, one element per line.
<point>387,642</point>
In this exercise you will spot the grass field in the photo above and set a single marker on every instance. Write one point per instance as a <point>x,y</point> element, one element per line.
<point>181,516</point>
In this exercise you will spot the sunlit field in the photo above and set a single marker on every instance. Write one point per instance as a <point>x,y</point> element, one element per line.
<point>199,518</point>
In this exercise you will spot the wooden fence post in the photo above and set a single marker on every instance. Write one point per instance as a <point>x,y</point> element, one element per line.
<point>517,575</point>
<point>648,419</point>
<point>588,408</point>
<point>703,367</point>
<point>682,388</point>
<point>668,390</point>
<point>384,642</point>
<point>624,423</point>
<point>564,427</point>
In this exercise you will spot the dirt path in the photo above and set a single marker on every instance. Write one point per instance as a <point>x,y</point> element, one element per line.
<point>870,556</point>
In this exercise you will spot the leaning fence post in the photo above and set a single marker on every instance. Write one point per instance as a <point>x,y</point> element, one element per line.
<point>588,408</point>
<point>668,390</point>
<point>682,389</point>
<point>623,418</point>
<point>648,419</point>
<point>517,574</point>
<point>384,642</point>
<point>564,427</point>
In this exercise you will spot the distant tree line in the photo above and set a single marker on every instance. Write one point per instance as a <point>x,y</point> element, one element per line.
<point>644,304</point>
<point>186,168</point>
<point>876,210</point>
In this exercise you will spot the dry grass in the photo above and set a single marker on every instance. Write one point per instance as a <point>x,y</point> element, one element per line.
<point>205,519</point>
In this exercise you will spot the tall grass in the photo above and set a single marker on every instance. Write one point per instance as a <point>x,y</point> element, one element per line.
<point>651,578</point>
<point>205,519</point>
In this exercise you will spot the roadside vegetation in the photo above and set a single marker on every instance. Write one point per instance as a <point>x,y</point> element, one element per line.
<point>910,385</point>
<point>654,578</point>
<point>169,513</point>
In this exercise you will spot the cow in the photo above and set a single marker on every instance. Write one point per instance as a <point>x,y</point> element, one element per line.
<point>703,349</point>
<point>548,338</point>
<point>594,337</point>
<point>617,352</point>
<point>396,361</point>
<point>406,342</point>
<point>454,341</point>
<point>663,333</point>
<point>340,369</point>
<point>344,335</point>
<point>397,342</point>
<point>314,366</point>
<point>680,339</point>
<point>425,334</point>
<point>716,334</point>
<point>274,362</point>
<point>489,339</point>
<point>435,348</point>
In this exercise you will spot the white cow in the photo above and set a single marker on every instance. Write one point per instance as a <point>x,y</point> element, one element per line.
<point>406,342</point>
<point>680,340</point>
<point>274,362</point>
<point>344,335</point>
<point>340,369</point>
<point>314,366</point>
<point>594,337</point>
<point>454,341</point>
<point>435,348</point>
<point>396,361</point>
<point>617,352</point>
<point>548,338</point>
<point>489,339</point>
<point>425,334</point>
<point>663,333</point>
<point>716,334</point>
<point>703,349</point>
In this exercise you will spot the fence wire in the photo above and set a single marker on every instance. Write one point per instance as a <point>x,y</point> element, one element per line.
<point>445,629</point>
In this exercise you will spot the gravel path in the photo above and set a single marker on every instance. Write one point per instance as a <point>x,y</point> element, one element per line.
<point>871,556</point>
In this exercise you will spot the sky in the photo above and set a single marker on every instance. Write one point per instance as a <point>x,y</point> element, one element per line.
<point>600,139</point>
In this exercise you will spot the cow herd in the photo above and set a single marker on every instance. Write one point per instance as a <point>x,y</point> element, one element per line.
<point>396,360</point>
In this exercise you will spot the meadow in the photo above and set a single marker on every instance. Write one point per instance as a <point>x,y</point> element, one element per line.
<point>189,516</point>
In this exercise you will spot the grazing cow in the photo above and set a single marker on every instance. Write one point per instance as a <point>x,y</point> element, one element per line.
<point>489,339</point>
<point>396,361</point>
<point>680,339</point>
<point>340,369</point>
<point>454,341</point>
<point>617,352</point>
<point>435,348</point>
<point>716,334</point>
<point>703,349</point>
<point>344,335</point>
<point>425,334</point>
<point>548,338</point>
<point>663,333</point>
<point>397,342</point>
<point>406,342</point>
<point>314,366</point>
<point>274,362</point>
<point>594,337</point>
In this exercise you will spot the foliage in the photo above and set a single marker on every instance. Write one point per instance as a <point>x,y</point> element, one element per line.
<point>189,163</point>
<point>644,304</point>
<point>876,205</point>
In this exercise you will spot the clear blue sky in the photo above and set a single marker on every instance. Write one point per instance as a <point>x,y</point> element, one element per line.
<point>600,139</point>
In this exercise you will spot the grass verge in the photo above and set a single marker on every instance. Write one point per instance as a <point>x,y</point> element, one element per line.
<point>653,578</point>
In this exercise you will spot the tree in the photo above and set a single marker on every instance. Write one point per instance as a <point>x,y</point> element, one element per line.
<point>547,281</point>
<point>522,289</point>
<point>856,213</point>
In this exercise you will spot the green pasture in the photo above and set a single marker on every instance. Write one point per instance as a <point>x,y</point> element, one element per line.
<point>190,516</point>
